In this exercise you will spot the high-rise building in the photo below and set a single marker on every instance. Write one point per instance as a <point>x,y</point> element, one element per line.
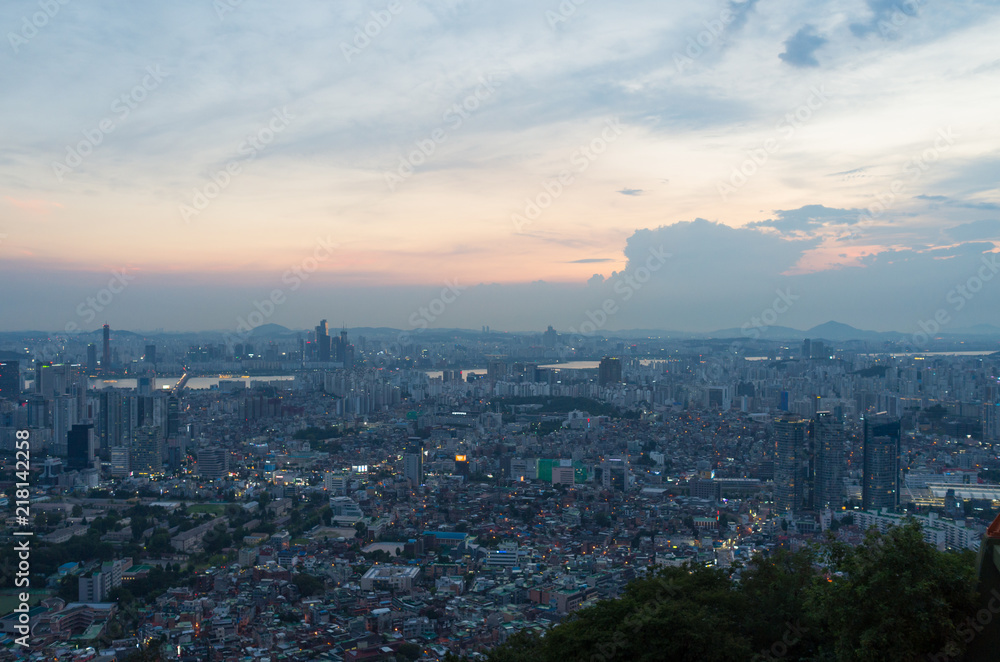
<point>323,342</point>
<point>609,371</point>
<point>110,420</point>
<point>791,463</point>
<point>80,446</point>
<point>59,379</point>
<point>150,356</point>
<point>991,414</point>
<point>63,419</point>
<point>10,380</point>
<point>145,384</point>
<point>121,461</point>
<point>106,360</point>
<point>615,473</point>
<point>550,338</point>
<point>147,451</point>
<point>830,460</point>
<point>496,370</point>
<point>880,472</point>
<point>91,357</point>
<point>213,462</point>
<point>719,397</point>
<point>173,416</point>
<point>39,411</point>
<point>413,463</point>
<point>336,482</point>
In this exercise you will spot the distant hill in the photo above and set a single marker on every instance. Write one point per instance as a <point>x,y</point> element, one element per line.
<point>270,331</point>
<point>762,332</point>
<point>839,331</point>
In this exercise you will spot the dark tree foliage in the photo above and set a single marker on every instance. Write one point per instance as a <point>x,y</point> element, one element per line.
<point>894,598</point>
<point>897,594</point>
<point>308,585</point>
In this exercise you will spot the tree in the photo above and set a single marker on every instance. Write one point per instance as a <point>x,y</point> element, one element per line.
<point>775,593</point>
<point>894,598</point>
<point>308,584</point>
<point>898,597</point>
<point>77,510</point>
<point>159,543</point>
<point>69,588</point>
<point>409,651</point>
<point>216,540</point>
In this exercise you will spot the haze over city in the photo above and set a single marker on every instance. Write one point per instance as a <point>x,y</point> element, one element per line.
<point>844,153</point>
<point>499,331</point>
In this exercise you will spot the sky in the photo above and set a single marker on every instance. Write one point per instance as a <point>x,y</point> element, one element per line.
<point>458,163</point>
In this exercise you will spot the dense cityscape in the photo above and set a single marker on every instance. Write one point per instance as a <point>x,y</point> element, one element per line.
<point>343,496</point>
<point>472,331</point>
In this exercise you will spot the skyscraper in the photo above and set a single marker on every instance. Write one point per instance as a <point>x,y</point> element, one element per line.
<point>791,463</point>
<point>147,451</point>
<point>110,420</point>
<point>10,380</point>
<point>92,357</point>
<point>830,460</point>
<point>413,463</point>
<point>991,413</point>
<point>550,338</point>
<point>609,371</point>
<point>121,464</point>
<point>324,343</point>
<point>150,355</point>
<point>80,446</point>
<point>213,463</point>
<point>63,419</point>
<point>106,361</point>
<point>880,473</point>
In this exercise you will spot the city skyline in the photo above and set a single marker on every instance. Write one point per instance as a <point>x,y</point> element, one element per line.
<point>534,155</point>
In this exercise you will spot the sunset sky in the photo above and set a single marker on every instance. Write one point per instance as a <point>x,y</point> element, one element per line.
<point>866,132</point>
